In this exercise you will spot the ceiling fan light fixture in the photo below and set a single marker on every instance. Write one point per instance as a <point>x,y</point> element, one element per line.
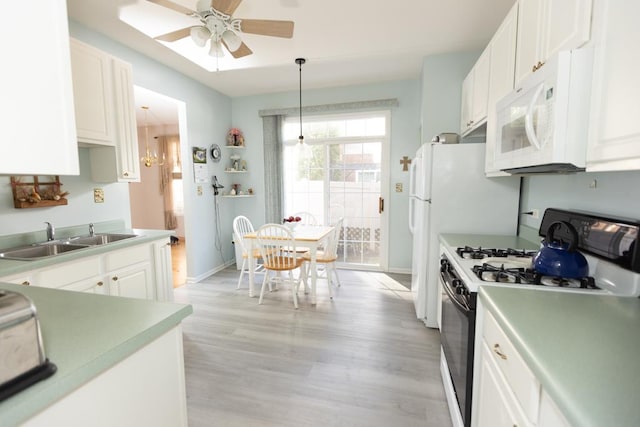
<point>232,40</point>
<point>200,35</point>
<point>216,49</point>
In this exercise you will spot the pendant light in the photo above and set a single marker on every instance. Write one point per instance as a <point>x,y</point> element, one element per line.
<point>149,159</point>
<point>300,61</point>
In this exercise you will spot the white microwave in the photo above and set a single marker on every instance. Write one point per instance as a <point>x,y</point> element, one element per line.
<point>542,125</point>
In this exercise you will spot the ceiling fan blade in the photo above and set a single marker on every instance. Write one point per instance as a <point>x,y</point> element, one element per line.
<point>173,6</point>
<point>174,35</point>
<point>266,27</point>
<point>243,50</point>
<point>225,6</point>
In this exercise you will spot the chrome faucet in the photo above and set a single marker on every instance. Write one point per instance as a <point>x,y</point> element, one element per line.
<point>91,229</point>
<point>51,231</point>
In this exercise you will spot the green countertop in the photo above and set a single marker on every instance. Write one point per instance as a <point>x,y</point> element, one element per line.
<point>9,267</point>
<point>487,241</point>
<point>85,334</point>
<point>583,348</point>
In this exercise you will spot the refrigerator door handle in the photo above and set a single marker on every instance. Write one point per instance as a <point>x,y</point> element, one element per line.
<point>412,177</point>
<point>380,205</point>
<point>412,206</point>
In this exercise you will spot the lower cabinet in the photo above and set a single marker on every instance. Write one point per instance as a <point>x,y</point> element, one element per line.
<point>507,393</point>
<point>145,389</point>
<point>140,271</point>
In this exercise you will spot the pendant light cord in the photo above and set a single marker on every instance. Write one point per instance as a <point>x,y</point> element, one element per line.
<point>300,61</point>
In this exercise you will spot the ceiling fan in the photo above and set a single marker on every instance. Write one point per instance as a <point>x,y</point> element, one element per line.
<point>220,28</point>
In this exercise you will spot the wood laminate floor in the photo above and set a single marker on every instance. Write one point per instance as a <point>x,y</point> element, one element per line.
<point>362,359</point>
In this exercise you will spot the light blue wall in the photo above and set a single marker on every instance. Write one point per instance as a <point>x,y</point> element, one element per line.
<point>405,138</point>
<point>81,208</point>
<point>615,193</point>
<point>442,77</point>
<point>208,119</point>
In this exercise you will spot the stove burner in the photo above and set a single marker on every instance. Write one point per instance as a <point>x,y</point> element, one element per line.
<point>492,273</point>
<point>468,252</point>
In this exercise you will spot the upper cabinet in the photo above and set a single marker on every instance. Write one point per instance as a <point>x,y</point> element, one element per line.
<point>501,77</point>
<point>105,113</point>
<point>475,90</point>
<point>36,105</point>
<point>546,27</point>
<point>614,132</point>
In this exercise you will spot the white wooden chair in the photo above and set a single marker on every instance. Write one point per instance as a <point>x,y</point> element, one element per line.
<point>272,238</point>
<point>325,259</point>
<point>242,226</point>
<point>306,218</point>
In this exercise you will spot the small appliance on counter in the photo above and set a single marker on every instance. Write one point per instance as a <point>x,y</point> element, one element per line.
<point>22,358</point>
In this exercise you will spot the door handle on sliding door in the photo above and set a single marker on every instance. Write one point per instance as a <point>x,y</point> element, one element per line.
<point>380,205</point>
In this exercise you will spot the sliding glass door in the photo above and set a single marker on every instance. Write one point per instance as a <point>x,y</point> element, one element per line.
<point>341,172</point>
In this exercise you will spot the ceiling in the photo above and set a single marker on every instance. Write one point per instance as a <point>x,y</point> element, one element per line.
<point>345,42</point>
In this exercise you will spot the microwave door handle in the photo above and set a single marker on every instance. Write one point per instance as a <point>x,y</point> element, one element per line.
<point>528,118</point>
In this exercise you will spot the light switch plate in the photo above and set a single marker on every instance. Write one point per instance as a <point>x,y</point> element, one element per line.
<point>398,187</point>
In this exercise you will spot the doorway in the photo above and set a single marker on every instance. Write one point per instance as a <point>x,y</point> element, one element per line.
<point>157,201</point>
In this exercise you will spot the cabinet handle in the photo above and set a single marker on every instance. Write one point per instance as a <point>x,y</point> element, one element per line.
<point>114,278</point>
<point>534,69</point>
<point>496,350</point>
<point>540,64</point>
<point>126,174</point>
<point>25,283</point>
<point>100,283</point>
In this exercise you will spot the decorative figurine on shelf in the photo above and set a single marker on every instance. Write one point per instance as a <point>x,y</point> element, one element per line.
<point>235,189</point>
<point>235,165</point>
<point>235,137</point>
<point>243,165</point>
<point>250,191</point>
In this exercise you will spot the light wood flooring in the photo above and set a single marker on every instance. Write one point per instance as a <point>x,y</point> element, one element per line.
<point>362,359</point>
<point>179,263</point>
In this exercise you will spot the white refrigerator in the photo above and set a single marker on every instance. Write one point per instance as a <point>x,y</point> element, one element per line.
<point>448,193</point>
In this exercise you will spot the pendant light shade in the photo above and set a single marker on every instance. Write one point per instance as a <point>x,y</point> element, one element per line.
<point>200,35</point>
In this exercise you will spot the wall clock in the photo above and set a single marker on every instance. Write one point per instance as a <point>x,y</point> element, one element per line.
<point>216,153</point>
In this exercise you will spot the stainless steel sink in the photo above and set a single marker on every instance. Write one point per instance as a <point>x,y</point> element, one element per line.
<point>39,251</point>
<point>100,239</point>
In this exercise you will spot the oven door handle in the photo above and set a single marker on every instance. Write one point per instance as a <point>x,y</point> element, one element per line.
<point>461,305</point>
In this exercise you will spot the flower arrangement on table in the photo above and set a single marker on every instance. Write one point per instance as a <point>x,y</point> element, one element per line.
<point>292,219</point>
<point>235,137</point>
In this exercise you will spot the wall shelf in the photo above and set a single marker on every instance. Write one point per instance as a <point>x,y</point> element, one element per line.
<point>238,197</point>
<point>233,171</point>
<point>38,193</point>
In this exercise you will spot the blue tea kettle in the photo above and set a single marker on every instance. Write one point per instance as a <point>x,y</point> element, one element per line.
<point>559,258</point>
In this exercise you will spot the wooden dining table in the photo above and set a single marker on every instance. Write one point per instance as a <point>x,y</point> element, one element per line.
<point>305,236</point>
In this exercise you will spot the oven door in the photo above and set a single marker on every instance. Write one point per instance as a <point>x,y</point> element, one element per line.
<point>457,337</point>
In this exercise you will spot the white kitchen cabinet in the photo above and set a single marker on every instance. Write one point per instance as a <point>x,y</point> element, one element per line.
<point>475,91</point>
<point>139,271</point>
<point>133,282</point>
<point>145,389</point>
<point>92,94</point>
<point>501,80</point>
<point>546,27</point>
<point>36,106</point>
<point>163,270</point>
<point>105,113</point>
<point>614,128</point>
<point>506,392</point>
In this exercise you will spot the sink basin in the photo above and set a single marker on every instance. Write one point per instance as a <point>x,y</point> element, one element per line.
<point>100,239</point>
<point>39,251</point>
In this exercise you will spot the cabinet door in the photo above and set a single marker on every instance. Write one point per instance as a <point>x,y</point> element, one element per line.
<point>92,94</point>
<point>480,88</point>
<point>133,282</point>
<point>529,23</point>
<point>567,25</point>
<point>496,405</point>
<point>128,158</point>
<point>501,77</point>
<point>614,133</point>
<point>25,278</point>
<point>163,270</point>
<point>36,101</point>
<point>466,103</point>
<point>95,285</point>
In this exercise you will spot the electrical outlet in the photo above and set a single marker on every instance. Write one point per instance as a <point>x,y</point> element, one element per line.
<point>98,195</point>
<point>535,213</point>
<point>398,187</point>
<point>199,190</point>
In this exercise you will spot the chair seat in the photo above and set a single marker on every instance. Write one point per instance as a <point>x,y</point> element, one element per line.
<point>283,263</point>
<point>256,253</point>
<point>321,256</point>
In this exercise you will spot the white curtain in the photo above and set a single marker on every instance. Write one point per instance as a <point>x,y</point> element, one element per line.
<point>170,149</point>
<point>271,128</point>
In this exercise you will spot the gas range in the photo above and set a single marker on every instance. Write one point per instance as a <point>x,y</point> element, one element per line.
<point>506,267</point>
